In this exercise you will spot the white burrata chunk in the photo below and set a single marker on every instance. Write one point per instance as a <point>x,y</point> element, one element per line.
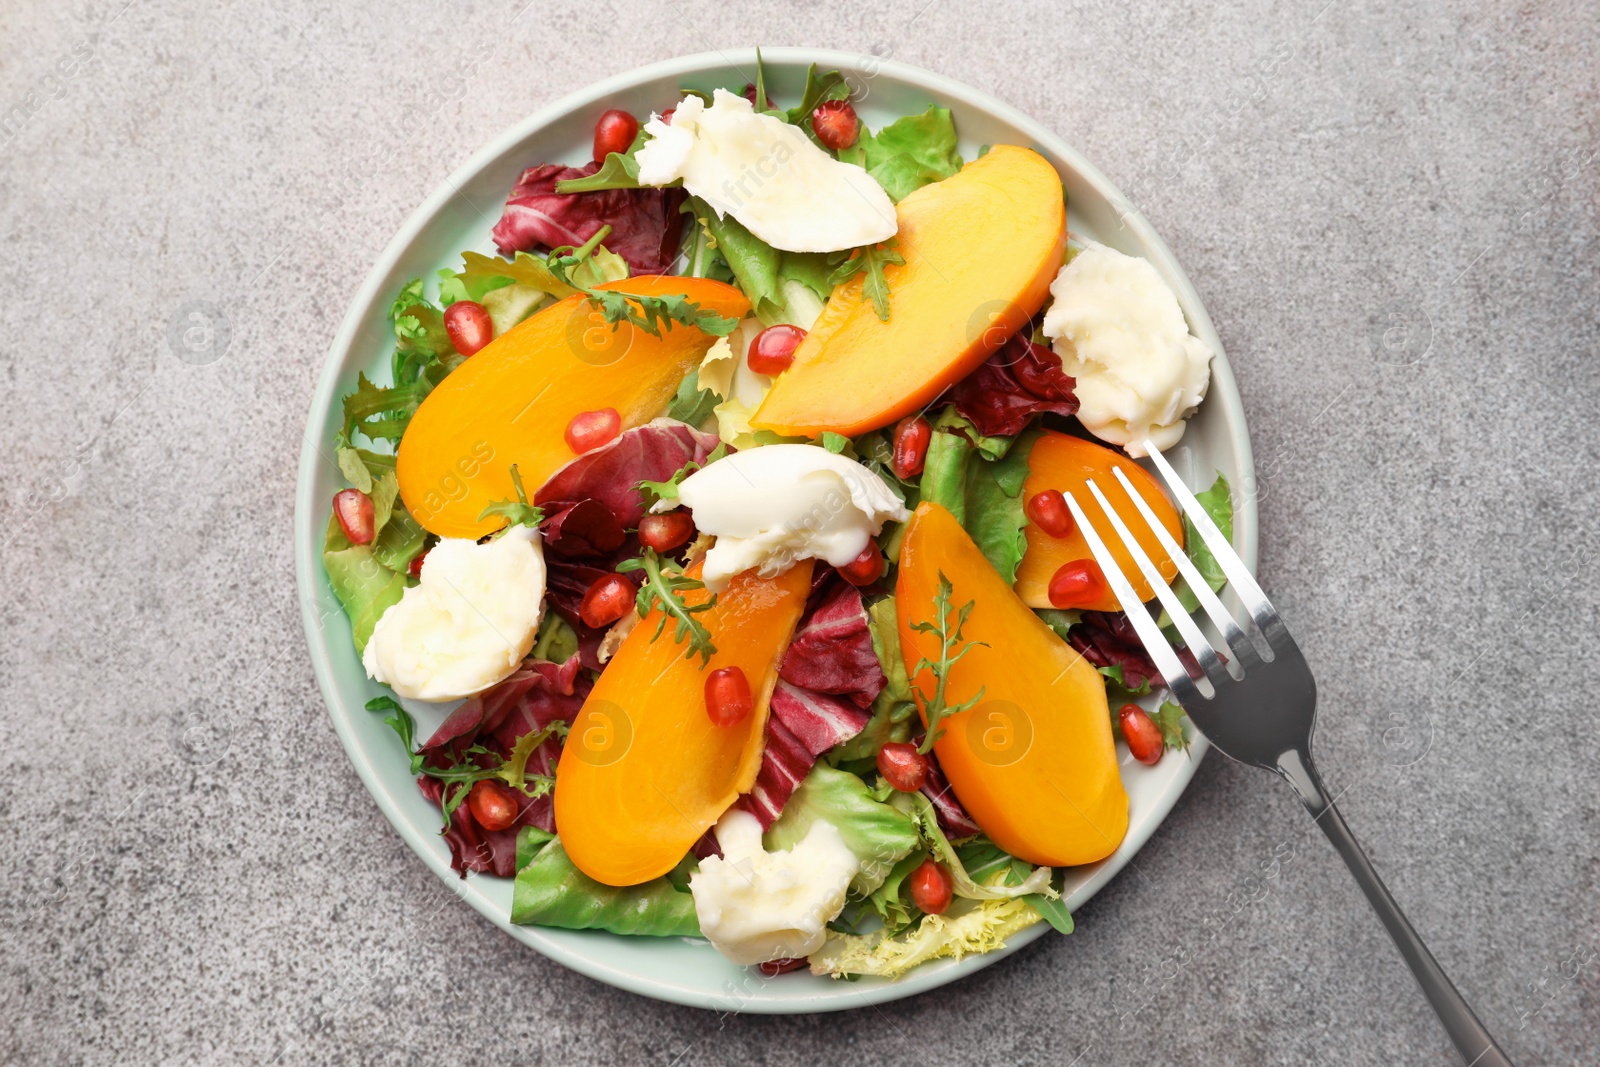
<point>1121,334</point>
<point>756,905</point>
<point>467,624</point>
<point>772,506</point>
<point>767,174</point>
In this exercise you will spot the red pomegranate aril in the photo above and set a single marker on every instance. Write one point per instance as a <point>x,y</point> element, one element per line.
<point>1077,584</point>
<point>772,351</point>
<point>1048,511</point>
<point>353,509</point>
<point>666,116</point>
<point>1141,733</point>
<point>912,435</point>
<point>666,532</point>
<point>493,805</point>
<point>614,132</point>
<point>415,568</point>
<point>728,698</point>
<point>902,766</point>
<point>607,600</point>
<point>588,430</point>
<point>931,888</point>
<point>865,568</point>
<point>750,95</point>
<point>773,968</point>
<point>469,326</point>
<point>836,124</point>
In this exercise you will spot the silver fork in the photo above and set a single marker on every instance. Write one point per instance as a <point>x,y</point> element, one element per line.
<point>1259,706</point>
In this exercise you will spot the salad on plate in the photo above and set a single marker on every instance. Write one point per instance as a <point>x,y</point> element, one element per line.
<point>715,531</point>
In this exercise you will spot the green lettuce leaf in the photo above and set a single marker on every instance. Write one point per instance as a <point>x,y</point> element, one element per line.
<point>908,153</point>
<point>782,286</point>
<point>551,891</point>
<point>364,587</point>
<point>1218,503</point>
<point>879,835</point>
<point>970,927</point>
<point>692,404</point>
<point>979,479</point>
<point>893,712</point>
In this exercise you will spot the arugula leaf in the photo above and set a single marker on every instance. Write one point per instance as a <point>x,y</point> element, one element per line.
<point>934,707</point>
<point>620,170</point>
<point>910,152</point>
<point>1062,620</point>
<point>400,720</point>
<point>1169,717</point>
<point>834,442</point>
<point>380,412</point>
<point>818,90</point>
<point>646,311</point>
<point>514,772</point>
<point>656,492</point>
<point>692,404</point>
<point>663,588</point>
<point>400,541</point>
<point>868,261</point>
<point>515,511</point>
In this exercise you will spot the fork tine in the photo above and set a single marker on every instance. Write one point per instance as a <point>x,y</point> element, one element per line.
<point>1221,617</point>
<point>1166,660</point>
<point>1249,593</point>
<point>1196,641</point>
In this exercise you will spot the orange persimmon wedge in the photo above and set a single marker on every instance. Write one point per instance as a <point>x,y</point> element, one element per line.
<point>1033,762</point>
<point>512,401</point>
<point>980,249</point>
<point>645,772</point>
<point>1066,463</point>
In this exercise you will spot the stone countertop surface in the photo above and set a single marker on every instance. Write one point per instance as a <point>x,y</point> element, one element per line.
<point>1390,211</point>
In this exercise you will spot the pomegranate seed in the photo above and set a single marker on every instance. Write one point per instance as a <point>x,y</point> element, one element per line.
<point>666,532</point>
<point>614,133</point>
<point>772,351</point>
<point>666,116</point>
<point>1141,733</point>
<point>728,698</point>
<point>865,568</point>
<point>773,968</point>
<point>492,805</point>
<point>1078,584</point>
<point>931,888</point>
<point>588,430</point>
<point>353,508</point>
<point>469,326</point>
<point>912,436</point>
<point>607,600</point>
<point>1048,511</point>
<point>415,569</point>
<point>836,124</point>
<point>903,766</point>
<point>750,95</point>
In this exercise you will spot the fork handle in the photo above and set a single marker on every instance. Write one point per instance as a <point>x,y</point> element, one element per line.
<point>1472,1040</point>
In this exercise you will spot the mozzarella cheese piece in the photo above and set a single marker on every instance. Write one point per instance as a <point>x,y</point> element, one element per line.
<point>1120,332</point>
<point>767,174</point>
<point>772,506</point>
<point>756,905</point>
<point>469,622</point>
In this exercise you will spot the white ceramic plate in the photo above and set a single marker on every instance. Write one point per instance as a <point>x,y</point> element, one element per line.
<point>458,216</point>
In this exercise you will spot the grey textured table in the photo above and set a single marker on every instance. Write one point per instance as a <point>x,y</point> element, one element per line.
<point>1391,213</point>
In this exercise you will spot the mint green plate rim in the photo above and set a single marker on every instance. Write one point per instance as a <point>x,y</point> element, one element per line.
<point>682,970</point>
